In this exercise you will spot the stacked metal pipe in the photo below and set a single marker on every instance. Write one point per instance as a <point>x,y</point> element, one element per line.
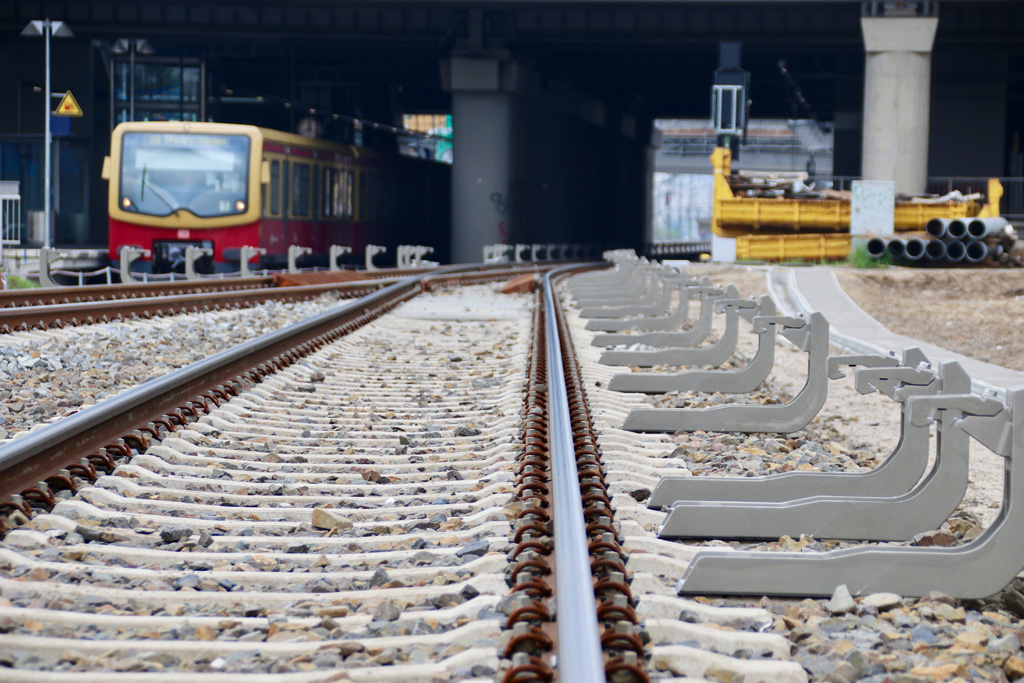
<point>954,241</point>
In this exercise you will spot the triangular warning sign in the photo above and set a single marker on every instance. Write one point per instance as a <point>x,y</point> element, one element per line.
<point>68,106</point>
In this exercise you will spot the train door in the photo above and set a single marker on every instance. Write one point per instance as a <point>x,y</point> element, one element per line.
<point>347,205</point>
<point>274,205</point>
<point>332,209</point>
<point>300,222</point>
<point>319,235</point>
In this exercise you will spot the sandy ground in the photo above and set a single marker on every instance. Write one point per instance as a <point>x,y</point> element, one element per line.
<point>870,424</point>
<point>977,312</point>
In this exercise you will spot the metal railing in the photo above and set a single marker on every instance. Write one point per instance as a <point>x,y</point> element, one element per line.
<point>693,139</point>
<point>702,145</point>
<point>10,219</point>
<point>107,275</point>
<point>687,250</point>
<point>1011,206</point>
<point>10,230</point>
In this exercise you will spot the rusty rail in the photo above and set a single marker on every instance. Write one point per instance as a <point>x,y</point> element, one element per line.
<point>85,313</point>
<point>531,647</point>
<point>76,445</point>
<point>561,626</point>
<point>622,641</point>
<point>52,296</point>
<point>20,318</point>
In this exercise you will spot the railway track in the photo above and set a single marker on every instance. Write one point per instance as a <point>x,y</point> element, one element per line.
<point>435,488</point>
<point>51,296</point>
<point>388,505</point>
<point>48,308</point>
<point>374,437</point>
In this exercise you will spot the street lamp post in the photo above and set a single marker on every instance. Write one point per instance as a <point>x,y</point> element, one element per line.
<point>57,29</point>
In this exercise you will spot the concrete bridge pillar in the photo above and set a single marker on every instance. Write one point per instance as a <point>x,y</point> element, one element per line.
<point>485,105</point>
<point>897,99</point>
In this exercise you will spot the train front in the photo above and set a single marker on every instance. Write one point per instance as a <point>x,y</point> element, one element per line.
<point>177,184</point>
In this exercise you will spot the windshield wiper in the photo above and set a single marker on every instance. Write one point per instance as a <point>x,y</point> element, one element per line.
<point>161,194</point>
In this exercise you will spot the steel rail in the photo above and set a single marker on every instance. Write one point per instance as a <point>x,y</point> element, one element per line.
<point>622,639</point>
<point>33,456</point>
<point>87,312</point>
<point>39,454</point>
<point>45,296</point>
<point>43,317</point>
<point>580,657</point>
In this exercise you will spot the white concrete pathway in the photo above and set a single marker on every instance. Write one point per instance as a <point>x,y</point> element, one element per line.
<point>816,288</point>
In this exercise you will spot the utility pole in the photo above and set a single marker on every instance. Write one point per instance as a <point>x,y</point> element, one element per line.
<point>57,29</point>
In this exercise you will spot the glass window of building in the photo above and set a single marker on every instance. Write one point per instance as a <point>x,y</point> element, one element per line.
<point>159,89</point>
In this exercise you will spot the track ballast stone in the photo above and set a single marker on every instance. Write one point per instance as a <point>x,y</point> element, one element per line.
<point>346,514</point>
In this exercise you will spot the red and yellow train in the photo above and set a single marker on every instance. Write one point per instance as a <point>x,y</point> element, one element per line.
<point>224,186</point>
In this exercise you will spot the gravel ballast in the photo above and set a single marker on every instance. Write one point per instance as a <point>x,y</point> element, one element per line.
<point>45,375</point>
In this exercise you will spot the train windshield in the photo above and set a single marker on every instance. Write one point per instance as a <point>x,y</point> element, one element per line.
<point>163,173</point>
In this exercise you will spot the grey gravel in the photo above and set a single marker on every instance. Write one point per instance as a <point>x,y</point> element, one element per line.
<point>78,366</point>
<point>474,548</point>
<point>841,602</point>
<point>195,505</point>
<point>388,610</point>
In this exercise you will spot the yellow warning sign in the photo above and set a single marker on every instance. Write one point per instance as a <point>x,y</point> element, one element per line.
<point>68,106</point>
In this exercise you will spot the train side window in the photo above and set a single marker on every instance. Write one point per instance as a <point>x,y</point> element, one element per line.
<point>354,210</point>
<point>348,194</point>
<point>325,194</point>
<point>366,197</point>
<point>340,185</point>
<point>286,189</point>
<point>332,192</point>
<point>275,188</point>
<point>358,206</point>
<point>300,189</point>
<point>314,187</point>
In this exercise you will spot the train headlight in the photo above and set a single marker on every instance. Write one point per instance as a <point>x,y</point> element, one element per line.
<point>126,203</point>
<point>239,206</point>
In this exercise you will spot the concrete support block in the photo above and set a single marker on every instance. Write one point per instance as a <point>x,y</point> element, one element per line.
<point>897,100</point>
<point>485,100</point>
<point>703,289</point>
<point>652,324</point>
<point>726,301</point>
